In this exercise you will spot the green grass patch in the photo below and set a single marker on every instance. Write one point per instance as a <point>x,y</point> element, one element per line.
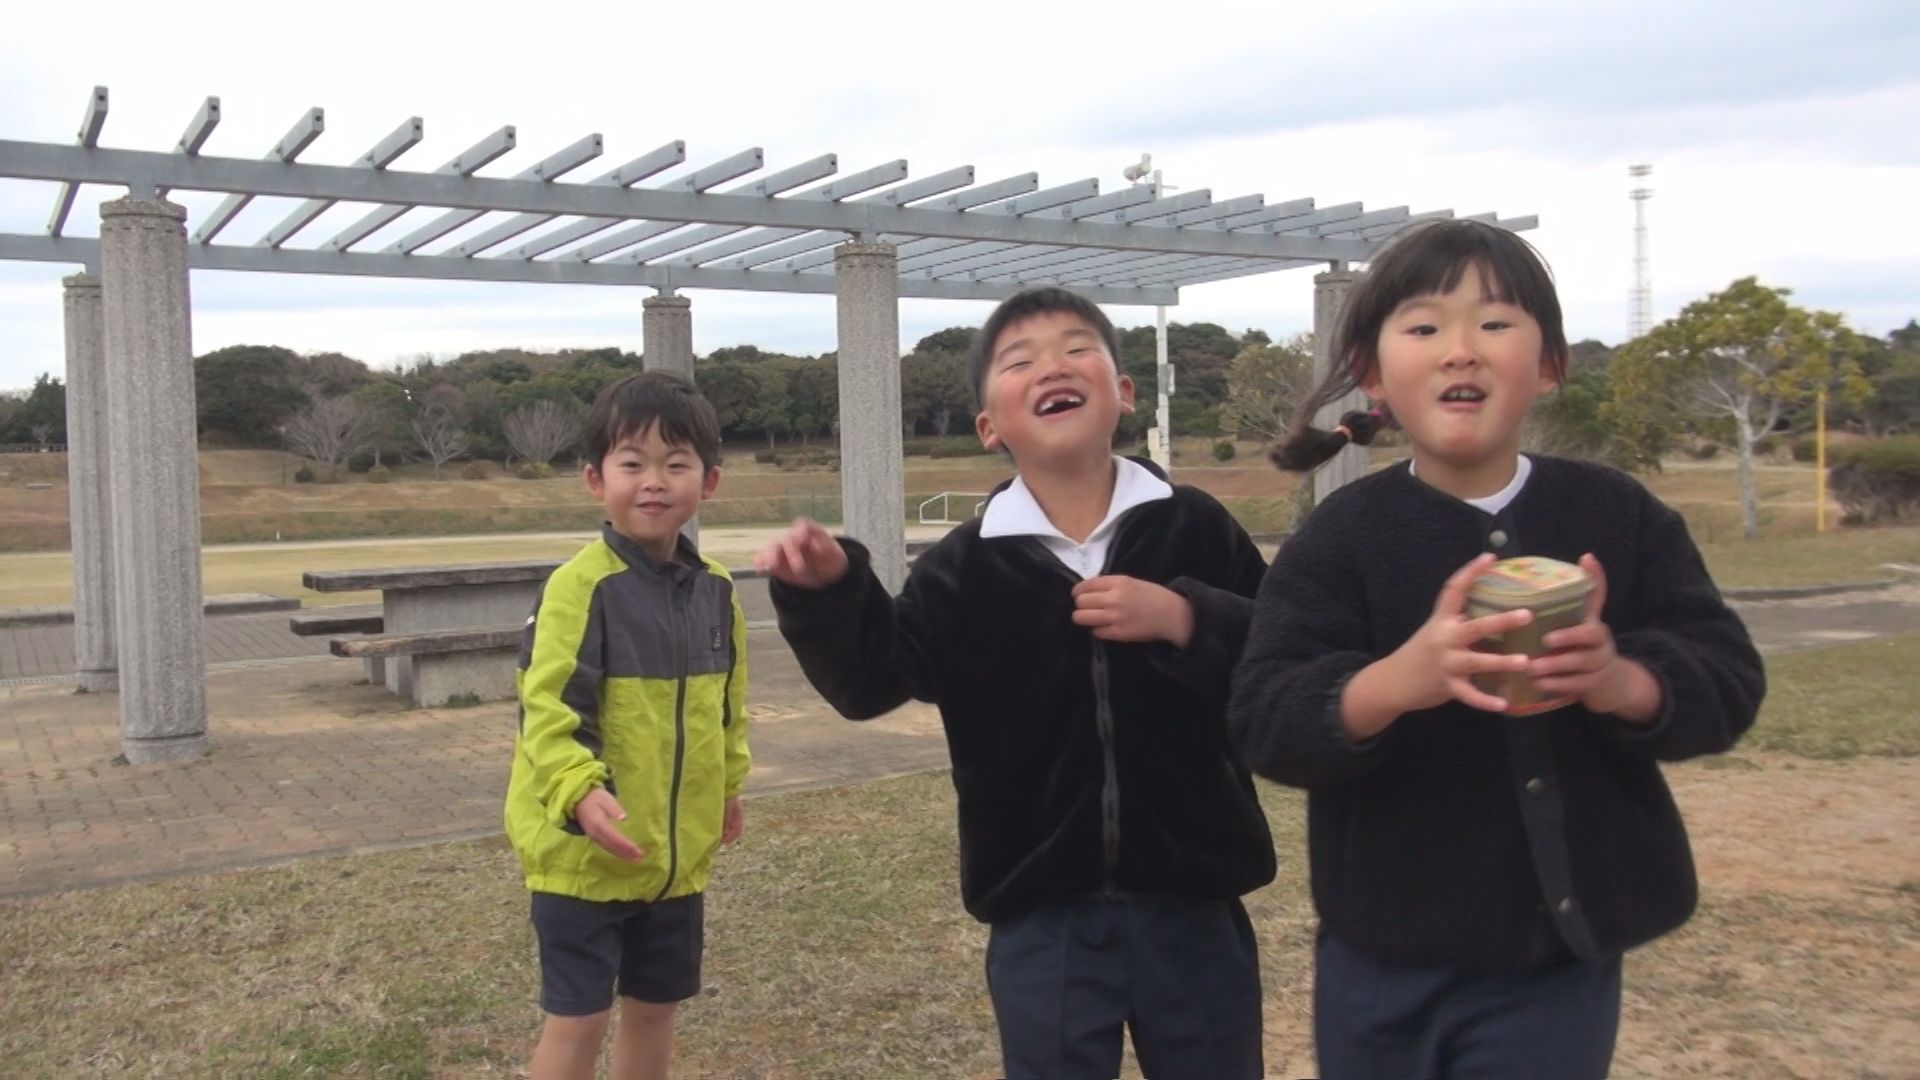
<point>837,943</point>
<point>1853,554</point>
<point>1843,701</point>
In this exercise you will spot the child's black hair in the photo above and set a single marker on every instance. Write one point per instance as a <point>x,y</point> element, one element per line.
<point>1045,300</point>
<point>637,402</point>
<point>1426,260</point>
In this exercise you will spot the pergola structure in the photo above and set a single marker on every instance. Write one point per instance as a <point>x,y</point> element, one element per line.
<point>869,237</point>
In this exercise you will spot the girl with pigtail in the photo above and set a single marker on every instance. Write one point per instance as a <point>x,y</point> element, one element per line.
<point>1479,873</point>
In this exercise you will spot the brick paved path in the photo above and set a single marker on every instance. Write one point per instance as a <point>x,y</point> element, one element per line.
<point>306,760</point>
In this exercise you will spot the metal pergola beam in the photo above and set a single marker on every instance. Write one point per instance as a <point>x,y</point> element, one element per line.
<point>1071,263</point>
<point>470,161</point>
<point>548,272</point>
<point>548,169</point>
<point>91,122</point>
<point>298,138</point>
<point>199,129</point>
<point>384,153</point>
<point>911,192</point>
<point>985,256</point>
<point>832,191</point>
<point>909,249</point>
<point>963,200</point>
<point>765,187</point>
<point>42,161</point>
<point>946,252</point>
<point>717,173</point>
<point>772,231</point>
<point>654,161</point>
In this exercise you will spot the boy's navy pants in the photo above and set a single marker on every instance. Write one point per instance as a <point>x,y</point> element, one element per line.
<point>1182,975</point>
<point>1379,1021</point>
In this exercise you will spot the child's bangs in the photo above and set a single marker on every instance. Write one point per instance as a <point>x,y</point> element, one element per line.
<point>1508,269</point>
<point>632,423</point>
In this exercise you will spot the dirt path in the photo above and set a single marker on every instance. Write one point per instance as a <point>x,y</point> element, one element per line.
<point>1804,958</point>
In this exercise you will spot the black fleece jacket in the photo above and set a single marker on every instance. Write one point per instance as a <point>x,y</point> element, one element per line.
<point>1468,839</point>
<point>1080,765</point>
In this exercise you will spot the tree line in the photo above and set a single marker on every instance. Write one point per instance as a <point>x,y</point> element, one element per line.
<point>519,404</point>
<point>1737,368</point>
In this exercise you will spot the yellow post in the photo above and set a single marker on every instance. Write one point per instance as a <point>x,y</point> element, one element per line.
<point>1820,463</point>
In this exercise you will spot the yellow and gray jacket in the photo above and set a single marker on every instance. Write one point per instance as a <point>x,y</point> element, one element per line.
<point>632,678</point>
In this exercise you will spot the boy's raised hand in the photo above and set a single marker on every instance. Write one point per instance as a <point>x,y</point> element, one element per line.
<point>1584,664</point>
<point>805,556</point>
<point>1121,608</point>
<point>597,812</point>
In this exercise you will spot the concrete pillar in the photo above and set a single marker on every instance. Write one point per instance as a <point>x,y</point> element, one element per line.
<point>872,476</point>
<point>666,344</point>
<point>666,334</point>
<point>89,502</point>
<point>1329,300</point>
<point>155,481</point>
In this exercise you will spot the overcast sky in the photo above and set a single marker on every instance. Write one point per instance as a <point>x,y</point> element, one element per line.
<point>1785,136</point>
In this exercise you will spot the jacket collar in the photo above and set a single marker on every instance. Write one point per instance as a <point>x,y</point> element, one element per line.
<point>1013,511</point>
<point>686,557</point>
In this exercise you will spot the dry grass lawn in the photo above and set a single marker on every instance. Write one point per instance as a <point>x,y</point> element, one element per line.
<point>838,948</point>
<point>244,500</point>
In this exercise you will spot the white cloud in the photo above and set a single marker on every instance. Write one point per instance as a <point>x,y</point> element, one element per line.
<point>1782,139</point>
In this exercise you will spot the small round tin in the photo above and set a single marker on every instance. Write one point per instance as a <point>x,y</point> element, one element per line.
<point>1556,593</point>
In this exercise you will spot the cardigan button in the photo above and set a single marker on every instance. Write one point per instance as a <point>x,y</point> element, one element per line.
<point>1535,786</point>
<point>1565,907</point>
<point>1497,538</point>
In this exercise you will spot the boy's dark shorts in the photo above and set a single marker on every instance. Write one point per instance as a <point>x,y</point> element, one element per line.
<point>590,948</point>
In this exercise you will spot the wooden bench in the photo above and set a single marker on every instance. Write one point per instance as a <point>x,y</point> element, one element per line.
<point>417,601</point>
<point>447,664</point>
<point>321,623</point>
<point>318,624</point>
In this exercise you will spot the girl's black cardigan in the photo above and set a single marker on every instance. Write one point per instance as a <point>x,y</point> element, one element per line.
<point>1467,839</point>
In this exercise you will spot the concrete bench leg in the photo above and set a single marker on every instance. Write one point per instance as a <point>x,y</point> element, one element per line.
<point>486,674</point>
<point>376,670</point>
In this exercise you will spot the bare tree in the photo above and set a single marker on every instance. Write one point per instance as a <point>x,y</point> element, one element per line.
<point>538,432</point>
<point>329,431</point>
<point>440,436</point>
<point>1265,384</point>
<point>41,433</point>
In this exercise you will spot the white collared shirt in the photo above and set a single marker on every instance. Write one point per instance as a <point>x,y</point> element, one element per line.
<point>1015,512</point>
<point>1498,501</point>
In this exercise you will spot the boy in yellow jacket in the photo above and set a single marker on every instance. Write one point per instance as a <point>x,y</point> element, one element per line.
<point>632,746</point>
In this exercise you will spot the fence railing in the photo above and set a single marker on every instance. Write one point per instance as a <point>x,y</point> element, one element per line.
<point>945,500</point>
<point>33,448</point>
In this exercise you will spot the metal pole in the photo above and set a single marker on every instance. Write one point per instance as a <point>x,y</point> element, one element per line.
<point>1162,374</point>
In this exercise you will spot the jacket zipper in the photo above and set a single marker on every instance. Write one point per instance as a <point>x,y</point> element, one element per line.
<point>674,601</point>
<point>1103,724</point>
<point>1110,783</point>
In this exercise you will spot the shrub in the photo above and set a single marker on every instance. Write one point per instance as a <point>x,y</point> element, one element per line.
<point>1704,451</point>
<point>1223,451</point>
<point>303,475</point>
<point>379,474</point>
<point>767,457</point>
<point>360,462</point>
<point>957,446</point>
<point>1878,480</point>
<point>1764,445</point>
<point>1804,449</point>
<point>534,470</point>
<point>476,470</point>
<point>809,457</point>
